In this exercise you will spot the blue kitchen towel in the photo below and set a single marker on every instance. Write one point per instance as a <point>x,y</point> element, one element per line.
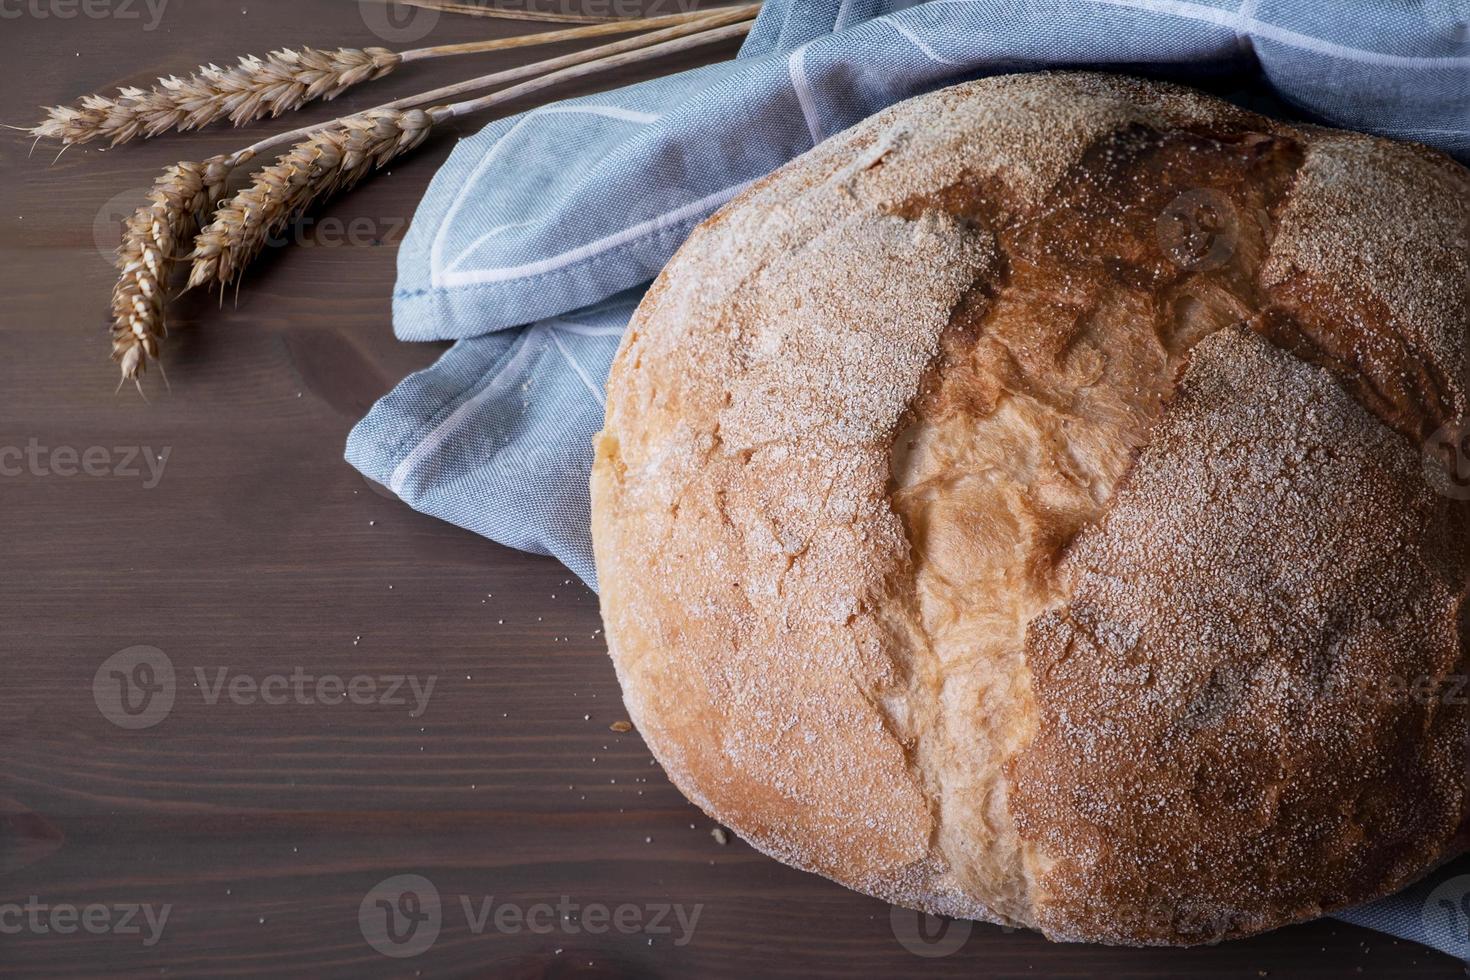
<point>533,243</point>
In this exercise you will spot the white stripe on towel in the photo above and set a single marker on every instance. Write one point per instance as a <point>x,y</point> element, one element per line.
<point>471,277</point>
<point>796,68</point>
<point>1243,23</point>
<point>436,251</point>
<point>596,393</point>
<point>442,431</point>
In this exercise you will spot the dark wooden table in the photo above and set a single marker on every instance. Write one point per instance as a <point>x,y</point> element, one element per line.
<point>253,550</point>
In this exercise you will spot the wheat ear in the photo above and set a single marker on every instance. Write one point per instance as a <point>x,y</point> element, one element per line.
<point>151,245</point>
<point>256,87</point>
<point>282,82</point>
<point>325,163</point>
<point>325,159</point>
<point>316,167</point>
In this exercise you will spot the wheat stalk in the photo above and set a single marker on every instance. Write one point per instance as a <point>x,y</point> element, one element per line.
<point>503,13</point>
<point>322,160</point>
<point>736,23</point>
<point>282,82</point>
<point>593,29</point>
<point>256,87</point>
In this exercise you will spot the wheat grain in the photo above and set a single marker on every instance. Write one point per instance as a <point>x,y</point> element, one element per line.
<point>284,81</point>
<point>328,161</point>
<point>321,160</point>
<point>256,87</point>
<point>149,249</point>
<point>334,158</point>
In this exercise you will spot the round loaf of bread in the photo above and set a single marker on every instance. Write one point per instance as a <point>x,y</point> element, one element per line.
<point>1029,506</point>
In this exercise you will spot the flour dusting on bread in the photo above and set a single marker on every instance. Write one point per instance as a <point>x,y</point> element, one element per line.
<point>957,534</point>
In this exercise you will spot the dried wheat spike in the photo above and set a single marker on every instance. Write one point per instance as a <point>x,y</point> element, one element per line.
<point>149,248</point>
<point>256,87</point>
<point>324,163</point>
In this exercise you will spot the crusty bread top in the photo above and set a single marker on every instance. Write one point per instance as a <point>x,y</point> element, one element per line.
<point>1014,508</point>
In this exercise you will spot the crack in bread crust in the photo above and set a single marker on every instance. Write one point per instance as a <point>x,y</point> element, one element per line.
<point>889,408</point>
<point>1045,393</point>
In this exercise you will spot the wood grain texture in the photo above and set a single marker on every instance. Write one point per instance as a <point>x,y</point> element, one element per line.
<point>260,552</point>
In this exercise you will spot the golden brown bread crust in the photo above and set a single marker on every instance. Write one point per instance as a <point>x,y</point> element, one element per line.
<point>1014,508</point>
<point>1300,764</point>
